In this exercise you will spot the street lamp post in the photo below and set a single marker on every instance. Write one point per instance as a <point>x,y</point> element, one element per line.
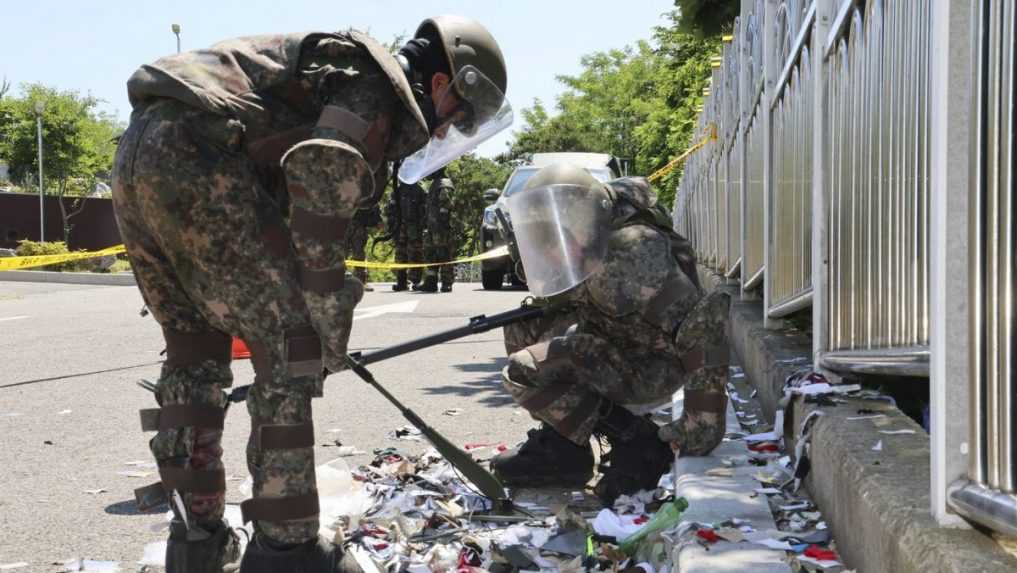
<point>176,32</point>
<point>39,108</point>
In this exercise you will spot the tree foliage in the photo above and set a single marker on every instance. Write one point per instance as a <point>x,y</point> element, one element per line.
<point>77,142</point>
<point>637,103</point>
<point>472,175</point>
<point>707,18</point>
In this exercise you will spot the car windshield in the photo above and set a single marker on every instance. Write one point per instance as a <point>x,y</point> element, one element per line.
<point>521,175</point>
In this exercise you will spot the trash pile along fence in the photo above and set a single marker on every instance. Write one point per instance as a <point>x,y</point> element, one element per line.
<point>818,194</point>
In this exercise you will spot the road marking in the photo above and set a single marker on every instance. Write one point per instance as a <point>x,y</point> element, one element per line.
<point>12,318</point>
<point>376,311</point>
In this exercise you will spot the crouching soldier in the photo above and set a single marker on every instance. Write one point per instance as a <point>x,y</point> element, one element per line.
<point>632,327</point>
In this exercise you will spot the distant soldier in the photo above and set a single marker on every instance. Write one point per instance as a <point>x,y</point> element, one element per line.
<point>356,239</point>
<point>406,221</point>
<point>439,242</point>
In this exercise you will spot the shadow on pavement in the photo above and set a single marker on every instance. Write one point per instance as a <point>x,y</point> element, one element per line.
<point>489,387</point>
<point>130,507</point>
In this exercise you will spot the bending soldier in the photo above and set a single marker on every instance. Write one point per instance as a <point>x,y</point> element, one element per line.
<point>438,243</point>
<point>234,185</point>
<point>633,326</point>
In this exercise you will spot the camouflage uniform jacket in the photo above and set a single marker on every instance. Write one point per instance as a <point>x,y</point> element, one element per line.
<point>643,292</point>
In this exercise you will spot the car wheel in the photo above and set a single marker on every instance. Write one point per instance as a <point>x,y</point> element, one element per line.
<point>492,280</point>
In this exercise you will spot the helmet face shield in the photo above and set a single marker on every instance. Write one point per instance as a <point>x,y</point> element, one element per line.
<point>562,232</point>
<point>480,112</point>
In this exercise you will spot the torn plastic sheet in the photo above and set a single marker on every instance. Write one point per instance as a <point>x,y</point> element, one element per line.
<point>91,565</point>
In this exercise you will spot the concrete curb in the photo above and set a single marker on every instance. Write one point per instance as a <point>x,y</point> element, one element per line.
<point>876,502</point>
<point>102,279</point>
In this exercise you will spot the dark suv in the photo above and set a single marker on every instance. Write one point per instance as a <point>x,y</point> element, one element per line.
<point>494,271</point>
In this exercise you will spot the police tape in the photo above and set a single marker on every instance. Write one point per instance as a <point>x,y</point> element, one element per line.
<point>15,263</point>
<point>492,254</point>
<point>711,136</point>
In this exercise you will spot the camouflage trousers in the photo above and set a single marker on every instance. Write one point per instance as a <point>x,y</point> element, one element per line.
<point>356,247</point>
<point>440,254</point>
<point>564,376</point>
<point>196,220</point>
<point>410,249</point>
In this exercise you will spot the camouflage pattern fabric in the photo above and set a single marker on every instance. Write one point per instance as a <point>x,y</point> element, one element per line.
<point>632,332</point>
<point>203,207</point>
<point>410,208</point>
<point>439,243</point>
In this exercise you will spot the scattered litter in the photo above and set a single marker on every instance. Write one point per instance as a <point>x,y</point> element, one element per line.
<point>134,474</point>
<point>773,543</point>
<point>820,554</point>
<point>90,565</point>
<point>878,447</point>
<point>12,566</point>
<point>94,492</point>
<point>611,524</point>
<point>731,534</point>
<point>763,437</point>
<point>895,432</point>
<point>48,442</point>
<point>405,433</point>
<point>872,417</point>
<point>155,554</point>
<point>64,412</point>
<point>720,472</point>
<point>453,412</point>
<point>767,490</point>
<point>708,535</point>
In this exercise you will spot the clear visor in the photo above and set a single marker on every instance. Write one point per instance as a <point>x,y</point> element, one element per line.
<point>562,233</point>
<point>481,112</point>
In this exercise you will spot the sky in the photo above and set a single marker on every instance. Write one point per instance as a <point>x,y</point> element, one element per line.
<point>94,46</point>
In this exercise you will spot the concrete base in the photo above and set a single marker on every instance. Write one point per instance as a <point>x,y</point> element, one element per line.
<point>715,499</point>
<point>107,279</point>
<point>875,502</point>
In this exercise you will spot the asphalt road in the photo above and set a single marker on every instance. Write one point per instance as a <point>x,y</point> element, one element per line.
<point>70,356</point>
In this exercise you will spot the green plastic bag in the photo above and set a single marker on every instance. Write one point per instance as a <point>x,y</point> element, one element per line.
<point>666,518</point>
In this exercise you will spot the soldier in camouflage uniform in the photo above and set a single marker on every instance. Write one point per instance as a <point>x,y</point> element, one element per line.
<point>356,239</point>
<point>406,218</point>
<point>439,244</point>
<point>234,185</point>
<point>625,339</point>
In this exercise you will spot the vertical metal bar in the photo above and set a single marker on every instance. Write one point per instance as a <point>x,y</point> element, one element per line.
<point>1006,192</point>
<point>995,275</point>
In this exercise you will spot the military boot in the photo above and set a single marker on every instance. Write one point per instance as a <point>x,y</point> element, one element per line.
<point>637,458</point>
<point>545,458</point>
<point>430,284</point>
<point>401,284</point>
<point>315,556</point>
<point>196,549</point>
<point>446,287</point>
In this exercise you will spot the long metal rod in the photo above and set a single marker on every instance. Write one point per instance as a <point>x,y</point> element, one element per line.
<point>42,216</point>
<point>792,305</point>
<point>796,48</point>
<point>988,507</point>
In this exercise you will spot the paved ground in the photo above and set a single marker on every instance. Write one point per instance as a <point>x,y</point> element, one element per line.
<point>64,436</point>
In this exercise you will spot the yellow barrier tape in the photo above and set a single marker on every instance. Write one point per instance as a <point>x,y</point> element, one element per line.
<point>493,253</point>
<point>14,263</point>
<point>711,136</point>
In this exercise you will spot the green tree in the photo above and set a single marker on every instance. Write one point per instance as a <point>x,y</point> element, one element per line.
<point>636,103</point>
<point>707,18</point>
<point>78,143</point>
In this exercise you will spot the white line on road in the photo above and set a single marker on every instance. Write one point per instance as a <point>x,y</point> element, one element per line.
<point>12,318</point>
<point>375,311</point>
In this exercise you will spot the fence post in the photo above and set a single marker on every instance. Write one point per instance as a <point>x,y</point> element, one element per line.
<point>825,12</point>
<point>951,195</point>
<point>771,68</point>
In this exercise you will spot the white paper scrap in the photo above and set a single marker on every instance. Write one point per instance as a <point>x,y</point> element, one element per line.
<point>895,432</point>
<point>878,447</point>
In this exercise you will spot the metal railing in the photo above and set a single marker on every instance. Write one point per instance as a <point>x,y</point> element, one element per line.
<point>877,181</point>
<point>987,495</point>
<point>825,162</point>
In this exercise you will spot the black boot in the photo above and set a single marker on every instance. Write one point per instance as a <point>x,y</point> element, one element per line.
<point>200,550</point>
<point>315,556</point>
<point>446,287</point>
<point>430,284</point>
<point>400,284</point>
<point>637,458</point>
<point>545,458</point>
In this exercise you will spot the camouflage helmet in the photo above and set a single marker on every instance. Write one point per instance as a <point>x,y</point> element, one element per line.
<point>467,43</point>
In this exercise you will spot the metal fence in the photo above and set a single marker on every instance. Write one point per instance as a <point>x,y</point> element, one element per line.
<point>817,195</point>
